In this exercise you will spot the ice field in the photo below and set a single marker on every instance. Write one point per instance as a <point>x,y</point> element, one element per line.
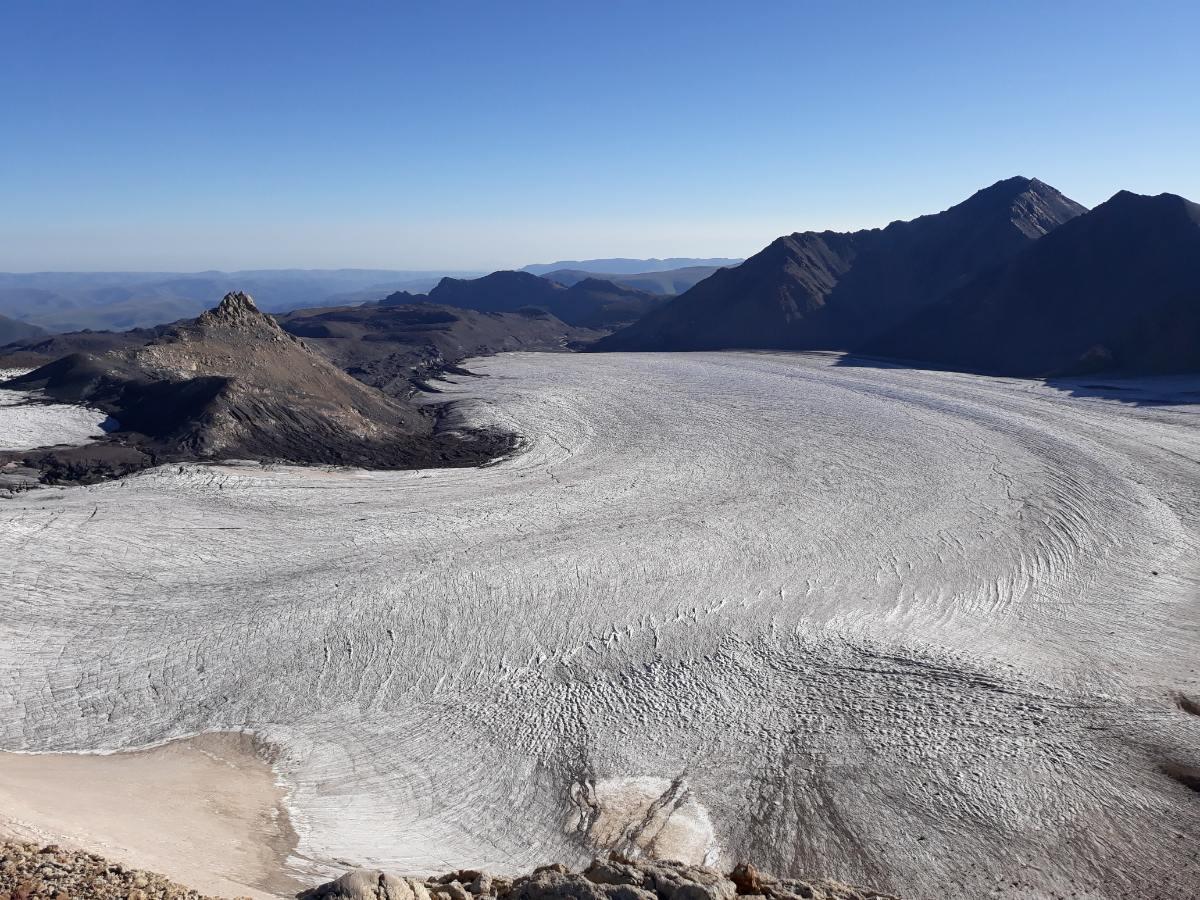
<point>25,425</point>
<point>916,630</point>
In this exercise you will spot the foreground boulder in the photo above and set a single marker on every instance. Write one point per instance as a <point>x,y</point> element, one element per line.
<point>50,872</point>
<point>611,878</point>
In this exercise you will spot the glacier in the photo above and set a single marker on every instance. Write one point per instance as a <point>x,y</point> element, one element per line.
<point>919,630</point>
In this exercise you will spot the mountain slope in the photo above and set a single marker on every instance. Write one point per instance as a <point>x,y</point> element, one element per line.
<point>34,352</point>
<point>589,303</point>
<point>831,290</point>
<point>12,330</point>
<point>1118,287</point>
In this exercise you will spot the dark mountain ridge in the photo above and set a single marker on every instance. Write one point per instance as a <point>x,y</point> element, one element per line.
<point>588,303</point>
<point>1116,289</point>
<point>832,290</point>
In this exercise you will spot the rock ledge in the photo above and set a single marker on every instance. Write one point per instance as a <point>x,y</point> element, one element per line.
<point>612,878</point>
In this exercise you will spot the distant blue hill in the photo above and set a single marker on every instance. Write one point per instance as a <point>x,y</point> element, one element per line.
<point>622,266</point>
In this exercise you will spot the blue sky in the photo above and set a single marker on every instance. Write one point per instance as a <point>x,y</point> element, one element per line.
<point>479,135</point>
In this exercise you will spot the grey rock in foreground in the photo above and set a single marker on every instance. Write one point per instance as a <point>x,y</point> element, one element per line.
<point>613,878</point>
<point>33,872</point>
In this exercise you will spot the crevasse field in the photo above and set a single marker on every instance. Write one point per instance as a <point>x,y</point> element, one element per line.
<point>917,630</point>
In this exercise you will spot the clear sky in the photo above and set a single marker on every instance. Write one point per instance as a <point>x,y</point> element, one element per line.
<point>186,136</point>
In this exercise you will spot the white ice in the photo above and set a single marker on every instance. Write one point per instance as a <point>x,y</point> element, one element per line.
<point>26,422</point>
<point>910,629</point>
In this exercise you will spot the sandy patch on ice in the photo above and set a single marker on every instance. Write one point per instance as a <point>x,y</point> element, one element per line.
<point>205,811</point>
<point>646,816</point>
<point>25,425</point>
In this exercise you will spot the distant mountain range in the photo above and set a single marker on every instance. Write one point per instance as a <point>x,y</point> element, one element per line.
<point>623,266</point>
<point>668,281</point>
<point>71,301</point>
<point>1018,279</point>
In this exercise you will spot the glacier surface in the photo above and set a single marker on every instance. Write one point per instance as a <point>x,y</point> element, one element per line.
<point>919,630</point>
<point>27,423</point>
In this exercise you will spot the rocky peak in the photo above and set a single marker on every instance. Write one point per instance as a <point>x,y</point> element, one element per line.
<point>236,309</point>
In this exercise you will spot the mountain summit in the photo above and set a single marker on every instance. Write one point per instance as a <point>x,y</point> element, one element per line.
<point>1118,288</point>
<point>235,309</point>
<point>832,290</point>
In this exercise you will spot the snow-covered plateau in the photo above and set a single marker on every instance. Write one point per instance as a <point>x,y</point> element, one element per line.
<point>924,631</point>
<point>26,423</point>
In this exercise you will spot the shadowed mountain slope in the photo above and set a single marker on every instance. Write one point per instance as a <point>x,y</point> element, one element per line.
<point>589,303</point>
<point>832,290</point>
<point>12,330</point>
<point>1118,288</point>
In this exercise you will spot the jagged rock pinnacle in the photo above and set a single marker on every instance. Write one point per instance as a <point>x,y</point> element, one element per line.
<point>235,308</point>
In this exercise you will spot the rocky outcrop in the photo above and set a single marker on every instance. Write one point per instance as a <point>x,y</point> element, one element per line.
<point>233,384</point>
<point>612,878</point>
<point>34,872</point>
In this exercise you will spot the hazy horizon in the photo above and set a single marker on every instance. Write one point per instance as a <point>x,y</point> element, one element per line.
<point>185,139</point>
